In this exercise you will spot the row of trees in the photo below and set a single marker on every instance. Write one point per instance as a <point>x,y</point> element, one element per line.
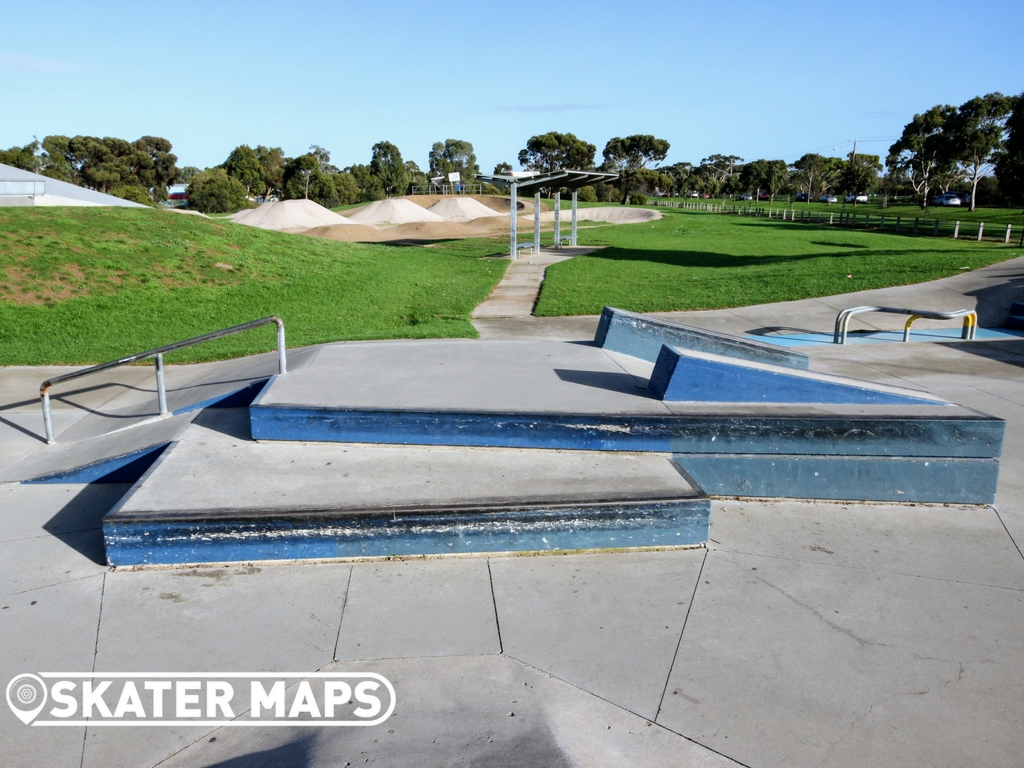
<point>948,145</point>
<point>266,172</point>
<point>939,149</point>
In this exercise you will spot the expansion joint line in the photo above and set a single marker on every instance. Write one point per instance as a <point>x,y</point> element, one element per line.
<point>1003,523</point>
<point>679,642</point>
<point>344,603</point>
<point>494,602</point>
<point>95,653</point>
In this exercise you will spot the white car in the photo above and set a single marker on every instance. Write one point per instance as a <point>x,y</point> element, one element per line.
<point>828,199</point>
<point>950,198</point>
<point>861,198</point>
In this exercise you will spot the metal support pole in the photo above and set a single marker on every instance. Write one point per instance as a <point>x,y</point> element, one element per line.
<point>956,230</point>
<point>513,188</point>
<point>558,212</point>
<point>981,230</point>
<point>536,222</point>
<point>830,218</point>
<point>282,358</point>
<point>1008,228</point>
<point>47,419</point>
<point>574,206</point>
<point>161,390</point>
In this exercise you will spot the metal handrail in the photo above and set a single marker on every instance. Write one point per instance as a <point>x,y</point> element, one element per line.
<point>969,315</point>
<point>158,353</point>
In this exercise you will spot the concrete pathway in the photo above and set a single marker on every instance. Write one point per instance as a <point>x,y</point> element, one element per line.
<point>988,290</point>
<point>516,293</point>
<point>805,634</point>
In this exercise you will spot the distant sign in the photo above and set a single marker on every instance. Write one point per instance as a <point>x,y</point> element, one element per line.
<point>454,177</point>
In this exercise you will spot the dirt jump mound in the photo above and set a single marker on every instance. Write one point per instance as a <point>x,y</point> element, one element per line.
<point>288,216</point>
<point>393,212</point>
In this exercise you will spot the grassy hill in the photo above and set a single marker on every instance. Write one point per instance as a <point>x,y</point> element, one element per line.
<point>85,285</point>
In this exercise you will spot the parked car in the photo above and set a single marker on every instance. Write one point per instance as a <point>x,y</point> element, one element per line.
<point>802,197</point>
<point>764,196</point>
<point>746,197</point>
<point>949,198</point>
<point>828,199</point>
<point>858,198</point>
<point>695,194</point>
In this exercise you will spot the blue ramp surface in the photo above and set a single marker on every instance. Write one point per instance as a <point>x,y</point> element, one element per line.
<point>684,375</point>
<point>642,336</point>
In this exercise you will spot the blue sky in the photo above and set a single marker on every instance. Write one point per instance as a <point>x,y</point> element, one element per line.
<point>755,79</point>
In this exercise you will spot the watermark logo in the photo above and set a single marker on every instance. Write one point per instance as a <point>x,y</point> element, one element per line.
<point>26,696</point>
<point>298,699</point>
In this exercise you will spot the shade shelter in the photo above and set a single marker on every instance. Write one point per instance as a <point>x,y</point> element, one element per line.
<point>532,181</point>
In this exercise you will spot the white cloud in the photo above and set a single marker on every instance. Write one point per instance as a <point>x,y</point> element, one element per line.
<point>18,63</point>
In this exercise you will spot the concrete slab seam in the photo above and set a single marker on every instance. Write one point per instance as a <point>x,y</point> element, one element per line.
<point>723,548</point>
<point>494,603</point>
<point>1003,523</point>
<point>679,642</point>
<point>647,720</point>
<point>341,618</point>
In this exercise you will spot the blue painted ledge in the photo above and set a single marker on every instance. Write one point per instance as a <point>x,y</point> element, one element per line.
<point>141,541</point>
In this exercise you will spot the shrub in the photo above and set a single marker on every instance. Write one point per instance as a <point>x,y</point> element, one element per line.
<point>213,191</point>
<point>133,193</point>
<point>639,199</point>
<point>587,195</point>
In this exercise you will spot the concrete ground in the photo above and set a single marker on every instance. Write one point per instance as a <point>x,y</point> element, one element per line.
<point>804,634</point>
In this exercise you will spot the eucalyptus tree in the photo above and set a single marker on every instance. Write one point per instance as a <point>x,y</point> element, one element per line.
<point>630,156</point>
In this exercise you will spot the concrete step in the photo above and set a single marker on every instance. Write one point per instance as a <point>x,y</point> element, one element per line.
<point>1016,322</point>
<point>213,496</point>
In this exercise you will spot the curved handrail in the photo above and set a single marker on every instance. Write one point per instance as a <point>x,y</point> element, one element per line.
<point>969,315</point>
<point>158,353</point>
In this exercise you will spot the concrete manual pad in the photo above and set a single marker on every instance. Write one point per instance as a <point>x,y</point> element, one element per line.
<point>485,711</point>
<point>315,501</point>
<point>464,375</point>
<point>194,479</point>
<point>418,608</point>
<point>785,662</point>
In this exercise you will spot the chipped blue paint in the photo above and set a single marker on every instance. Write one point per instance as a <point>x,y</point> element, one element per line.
<point>642,336</point>
<point>141,541</point>
<point>680,375</point>
<point>849,478</point>
<point>898,435</point>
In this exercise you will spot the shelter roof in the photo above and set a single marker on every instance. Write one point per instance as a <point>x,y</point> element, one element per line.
<point>570,179</point>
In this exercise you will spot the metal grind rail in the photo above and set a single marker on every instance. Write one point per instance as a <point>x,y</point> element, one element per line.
<point>158,353</point>
<point>969,315</point>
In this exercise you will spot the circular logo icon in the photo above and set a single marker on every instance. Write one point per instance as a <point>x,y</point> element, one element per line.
<point>26,696</point>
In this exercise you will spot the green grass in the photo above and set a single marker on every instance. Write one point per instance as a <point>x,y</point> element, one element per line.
<point>86,285</point>
<point>691,260</point>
